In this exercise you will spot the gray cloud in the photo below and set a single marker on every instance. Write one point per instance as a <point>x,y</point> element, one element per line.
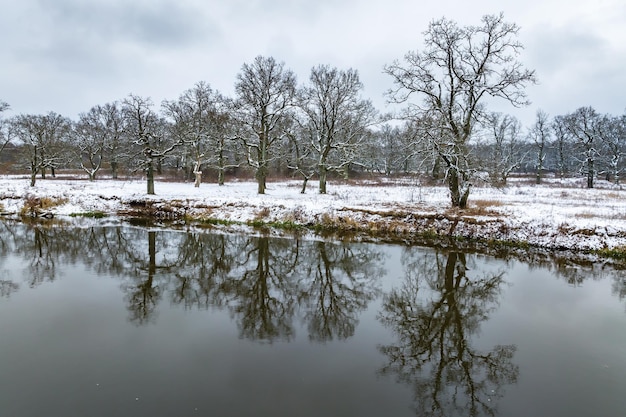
<point>575,68</point>
<point>101,37</point>
<point>68,55</point>
<point>157,23</point>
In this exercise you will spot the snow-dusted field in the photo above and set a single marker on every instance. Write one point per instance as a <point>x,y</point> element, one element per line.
<point>553,215</point>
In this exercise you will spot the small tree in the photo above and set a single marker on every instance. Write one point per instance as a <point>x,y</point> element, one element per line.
<point>502,152</point>
<point>386,151</point>
<point>44,139</point>
<point>562,145</point>
<point>299,155</point>
<point>539,134</point>
<point>459,68</point>
<point>117,150</point>
<point>98,134</point>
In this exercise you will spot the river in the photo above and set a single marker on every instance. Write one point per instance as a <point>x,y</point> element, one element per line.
<point>129,320</point>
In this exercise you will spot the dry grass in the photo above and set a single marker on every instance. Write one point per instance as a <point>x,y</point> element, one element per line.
<point>262,213</point>
<point>296,215</point>
<point>334,222</point>
<point>482,207</point>
<point>36,206</point>
<point>586,215</point>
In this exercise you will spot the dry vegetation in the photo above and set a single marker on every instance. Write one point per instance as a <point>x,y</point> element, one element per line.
<point>40,206</point>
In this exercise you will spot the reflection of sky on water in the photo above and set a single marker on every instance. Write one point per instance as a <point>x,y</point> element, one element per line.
<point>570,346</point>
<point>69,342</point>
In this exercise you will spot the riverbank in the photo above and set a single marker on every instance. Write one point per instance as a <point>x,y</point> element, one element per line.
<point>557,215</point>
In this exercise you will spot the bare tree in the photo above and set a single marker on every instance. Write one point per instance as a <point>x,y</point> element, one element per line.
<point>5,131</point>
<point>335,118</point>
<point>391,150</point>
<point>265,92</point>
<point>539,134</point>
<point>459,68</point>
<point>42,137</point>
<point>388,145</point>
<point>146,130</point>
<point>614,145</point>
<point>201,119</point>
<point>562,145</point>
<point>98,134</point>
<point>502,152</point>
<point>584,125</point>
<point>300,157</point>
<point>117,146</point>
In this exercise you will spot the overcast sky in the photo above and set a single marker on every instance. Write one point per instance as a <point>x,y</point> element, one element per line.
<point>69,55</point>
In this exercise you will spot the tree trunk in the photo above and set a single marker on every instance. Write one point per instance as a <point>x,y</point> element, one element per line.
<point>323,175</point>
<point>114,170</point>
<point>590,173</point>
<point>306,179</point>
<point>220,176</point>
<point>453,186</point>
<point>459,194</point>
<point>540,157</point>
<point>151,254</point>
<point>539,172</point>
<point>198,174</point>
<point>261,176</point>
<point>464,197</point>
<point>33,177</point>
<point>150,177</point>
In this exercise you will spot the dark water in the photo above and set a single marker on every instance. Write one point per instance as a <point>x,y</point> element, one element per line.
<point>130,321</point>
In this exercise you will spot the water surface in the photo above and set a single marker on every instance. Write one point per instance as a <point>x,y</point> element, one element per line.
<point>134,321</point>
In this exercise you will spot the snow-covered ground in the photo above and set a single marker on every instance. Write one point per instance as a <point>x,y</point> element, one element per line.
<point>554,215</point>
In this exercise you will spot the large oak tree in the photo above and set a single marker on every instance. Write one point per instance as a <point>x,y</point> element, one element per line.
<point>454,75</point>
<point>265,93</point>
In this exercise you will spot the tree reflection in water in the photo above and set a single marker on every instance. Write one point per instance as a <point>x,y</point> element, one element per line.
<point>43,246</point>
<point>434,316</point>
<point>619,285</point>
<point>203,264</point>
<point>274,279</point>
<point>142,292</point>
<point>269,284</point>
<point>266,284</point>
<point>339,281</point>
<point>261,294</point>
<point>7,285</point>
